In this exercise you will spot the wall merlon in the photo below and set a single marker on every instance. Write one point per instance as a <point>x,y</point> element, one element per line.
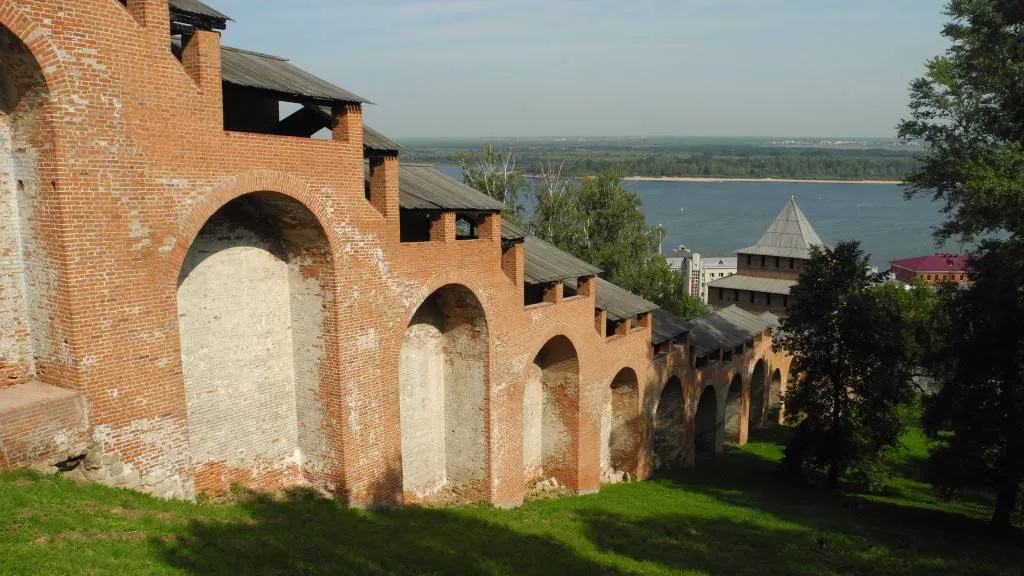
<point>201,58</point>
<point>154,16</point>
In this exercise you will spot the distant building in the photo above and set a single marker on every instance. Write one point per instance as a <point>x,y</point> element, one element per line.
<point>688,264</point>
<point>767,270</point>
<point>714,268</point>
<point>932,270</point>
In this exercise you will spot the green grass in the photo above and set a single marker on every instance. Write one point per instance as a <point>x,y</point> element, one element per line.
<point>733,515</point>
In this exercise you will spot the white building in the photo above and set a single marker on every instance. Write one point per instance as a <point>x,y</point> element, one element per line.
<point>701,270</point>
<point>688,264</point>
<point>714,268</point>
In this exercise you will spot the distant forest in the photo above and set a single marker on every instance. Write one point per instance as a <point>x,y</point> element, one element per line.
<point>706,160</point>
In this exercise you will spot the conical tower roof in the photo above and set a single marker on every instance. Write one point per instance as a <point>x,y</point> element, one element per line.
<point>790,235</point>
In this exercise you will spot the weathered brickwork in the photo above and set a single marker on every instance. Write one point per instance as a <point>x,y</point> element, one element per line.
<point>209,307</point>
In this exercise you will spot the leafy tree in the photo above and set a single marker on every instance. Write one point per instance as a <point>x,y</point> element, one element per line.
<point>494,173</point>
<point>921,318</point>
<point>969,109</point>
<point>599,221</point>
<point>848,347</point>
<point>977,414</point>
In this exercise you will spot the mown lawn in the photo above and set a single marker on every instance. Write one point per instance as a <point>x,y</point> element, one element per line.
<point>733,515</point>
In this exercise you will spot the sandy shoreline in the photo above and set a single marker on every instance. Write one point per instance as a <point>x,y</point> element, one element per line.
<point>780,180</point>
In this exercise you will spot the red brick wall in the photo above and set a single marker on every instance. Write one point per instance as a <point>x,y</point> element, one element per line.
<point>139,162</point>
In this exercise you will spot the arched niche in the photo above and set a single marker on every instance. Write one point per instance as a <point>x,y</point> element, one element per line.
<point>669,451</point>
<point>255,309</point>
<point>551,414</point>
<point>30,340</point>
<point>620,427</point>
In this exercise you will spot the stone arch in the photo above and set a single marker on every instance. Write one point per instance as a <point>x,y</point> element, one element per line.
<point>256,310</point>
<point>706,424</point>
<point>733,416</point>
<point>775,391</point>
<point>669,451</point>
<point>442,371</point>
<point>758,395</point>
<point>620,427</point>
<point>551,414</point>
<point>244,184</point>
<point>30,336</point>
<point>38,43</point>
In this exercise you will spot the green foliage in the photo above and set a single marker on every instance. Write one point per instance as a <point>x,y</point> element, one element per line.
<point>978,413</point>
<point>597,220</point>
<point>969,108</point>
<point>681,159</point>
<point>494,173</point>
<point>921,318</point>
<point>849,347</point>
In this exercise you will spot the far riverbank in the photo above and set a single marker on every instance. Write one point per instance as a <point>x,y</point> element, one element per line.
<point>779,180</point>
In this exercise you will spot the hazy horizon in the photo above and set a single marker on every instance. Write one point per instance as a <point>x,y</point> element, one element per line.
<point>652,136</point>
<point>686,68</point>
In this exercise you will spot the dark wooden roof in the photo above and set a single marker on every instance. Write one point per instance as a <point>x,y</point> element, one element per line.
<point>197,14</point>
<point>618,302</point>
<point>666,326</point>
<point>546,263</point>
<point>276,75</point>
<point>727,329</point>
<point>511,232</point>
<point>377,142</point>
<point>423,187</point>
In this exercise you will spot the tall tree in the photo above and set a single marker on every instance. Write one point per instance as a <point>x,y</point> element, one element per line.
<point>982,399</point>
<point>494,173</point>
<point>848,347</point>
<point>969,109</point>
<point>597,220</point>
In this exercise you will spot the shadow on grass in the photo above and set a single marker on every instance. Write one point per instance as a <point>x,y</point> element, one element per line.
<point>722,546</point>
<point>305,534</point>
<point>841,527</point>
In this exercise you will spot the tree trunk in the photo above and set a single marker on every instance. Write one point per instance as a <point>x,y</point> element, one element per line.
<point>1006,504</point>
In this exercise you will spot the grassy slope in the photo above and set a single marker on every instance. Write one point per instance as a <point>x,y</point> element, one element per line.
<point>730,516</point>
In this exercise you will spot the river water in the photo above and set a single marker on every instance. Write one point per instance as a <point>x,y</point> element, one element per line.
<point>721,217</point>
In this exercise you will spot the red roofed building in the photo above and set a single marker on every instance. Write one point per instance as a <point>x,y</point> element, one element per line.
<point>933,269</point>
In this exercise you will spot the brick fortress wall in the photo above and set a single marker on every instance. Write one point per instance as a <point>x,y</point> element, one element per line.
<point>194,307</point>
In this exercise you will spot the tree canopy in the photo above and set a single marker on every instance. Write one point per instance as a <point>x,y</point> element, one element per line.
<point>594,218</point>
<point>494,173</point>
<point>969,109</point>
<point>597,220</point>
<point>982,400</point>
<point>850,352</point>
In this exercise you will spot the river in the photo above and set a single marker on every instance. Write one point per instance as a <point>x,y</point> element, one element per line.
<point>721,217</point>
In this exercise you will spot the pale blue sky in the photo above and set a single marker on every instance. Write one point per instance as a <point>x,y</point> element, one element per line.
<point>496,68</point>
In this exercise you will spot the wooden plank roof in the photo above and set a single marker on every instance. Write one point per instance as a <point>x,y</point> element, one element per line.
<point>618,302</point>
<point>377,142</point>
<point>727,329</point>
<point>754,284</point>
<point>666,326</point>
<point>277,75</point>
<point>423,187</point>
<point>197,13</point>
